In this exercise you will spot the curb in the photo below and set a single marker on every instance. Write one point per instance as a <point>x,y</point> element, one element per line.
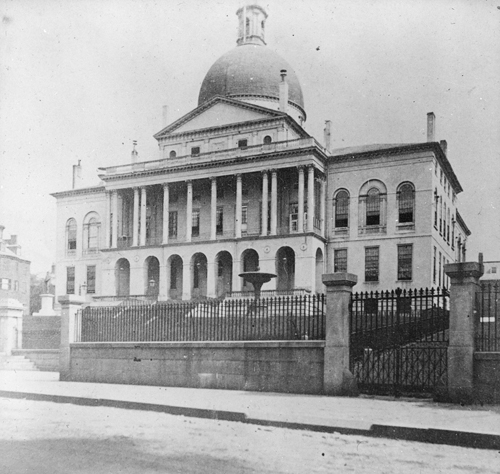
<point>423,435</point>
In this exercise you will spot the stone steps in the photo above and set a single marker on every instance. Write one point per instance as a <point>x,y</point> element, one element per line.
<point>13,362</point>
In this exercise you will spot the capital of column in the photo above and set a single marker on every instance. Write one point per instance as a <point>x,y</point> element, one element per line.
<point>264,172</point>
<point>238,177</point>
<point>301,168</point>
<point>273,172</point>
<point>166,185</point>
<point>189,182</point>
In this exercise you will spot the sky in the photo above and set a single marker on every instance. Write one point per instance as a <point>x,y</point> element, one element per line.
<point>80,80</point>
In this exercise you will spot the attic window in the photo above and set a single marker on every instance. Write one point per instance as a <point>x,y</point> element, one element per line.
<point>173,154</point>
<point>242,143</point>
<point>267,140</point>
<point>195,150</point>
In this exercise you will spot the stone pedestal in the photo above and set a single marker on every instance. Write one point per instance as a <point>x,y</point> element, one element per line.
<point>11,314</point>
<point>47,306</point>
<point>70,304</point>
<point>464,279</point>
<point>338,380</point>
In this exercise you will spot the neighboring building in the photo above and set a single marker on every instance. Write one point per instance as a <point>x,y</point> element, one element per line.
<point>14,272</point>
<point>491,272</point>
<point>239,185</point>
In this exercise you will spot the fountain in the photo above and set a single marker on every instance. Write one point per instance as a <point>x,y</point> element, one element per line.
<point>257,279</point>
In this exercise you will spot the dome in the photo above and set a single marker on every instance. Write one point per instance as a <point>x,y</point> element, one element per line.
<point>250,70</point>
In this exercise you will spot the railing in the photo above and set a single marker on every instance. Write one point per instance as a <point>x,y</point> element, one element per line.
<point>211,156</point>
<point>268,293</point>
<point>287,318</point>
<point>488,328</point>
<point>398,317</point>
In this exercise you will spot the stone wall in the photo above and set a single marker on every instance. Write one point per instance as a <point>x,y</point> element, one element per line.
<point>487,377</point>
<point>295,367</point>
<point>41,332</point>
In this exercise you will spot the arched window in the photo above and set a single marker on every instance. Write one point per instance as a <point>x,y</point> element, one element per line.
<point>71,229</point>
<point>91,227</point>
<point>373,207</point>
<point>267,140</point>
<point>406,203</point>
<point>173,154</point>
<point>341,203</point>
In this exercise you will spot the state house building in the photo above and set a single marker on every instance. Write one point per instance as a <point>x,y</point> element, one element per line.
<point>239,185</point>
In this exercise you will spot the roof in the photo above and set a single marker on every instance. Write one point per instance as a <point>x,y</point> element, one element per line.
<point>250,70</point>
<point>71,192</point>
<point>368,151</point>
<point>462,224</point>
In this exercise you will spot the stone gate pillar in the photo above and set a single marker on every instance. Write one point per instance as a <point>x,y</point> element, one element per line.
<point>338,380</point>
<point>463,320</point>
<point>70,304</point>
<point>11,317</point>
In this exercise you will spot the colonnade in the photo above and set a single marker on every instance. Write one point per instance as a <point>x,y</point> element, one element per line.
<point>268,226</point>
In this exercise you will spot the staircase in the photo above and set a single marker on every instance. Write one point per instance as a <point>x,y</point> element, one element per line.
<point>15,362</point>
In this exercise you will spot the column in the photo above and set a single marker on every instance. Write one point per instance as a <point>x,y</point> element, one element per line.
<point>274,202</point>
<point>323,207</point>
<point>114,212</point>
<point>135,230</point>
<point>213,210</point>
<point>166,206</point>
<point>70,304</point>
<point>143,217</point>
<point>107,230</point>
<point>237,230</point>
<point>189,216</point>
<point>310,199</point>
<point>463,320</point>
<point>186,281</point>
<point>337,378</point>
<point>265,188</point>
<point>300,221</point>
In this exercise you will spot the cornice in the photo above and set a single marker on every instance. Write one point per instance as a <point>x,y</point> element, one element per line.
<point>76,192</point>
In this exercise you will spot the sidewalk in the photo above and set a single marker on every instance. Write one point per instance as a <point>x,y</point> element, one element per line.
<point>417,420</point>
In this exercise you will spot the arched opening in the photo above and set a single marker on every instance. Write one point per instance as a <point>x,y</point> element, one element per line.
<point>224,273</point>
<point>319,271</point>
<point>122,277</point>
<point>267,140</point>
<point>174,269</point>
<point>250,263</point>
<point>285,269</point>
<point>199,276</point>
<point>173,154</point>
<point>152,277</point>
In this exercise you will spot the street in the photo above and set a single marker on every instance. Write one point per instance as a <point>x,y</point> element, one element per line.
<point>51,438</point>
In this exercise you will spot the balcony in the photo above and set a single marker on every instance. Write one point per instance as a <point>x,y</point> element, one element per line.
<point>210,157</point>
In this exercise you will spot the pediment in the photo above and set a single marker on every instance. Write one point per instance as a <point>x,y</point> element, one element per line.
<point>216,113</point>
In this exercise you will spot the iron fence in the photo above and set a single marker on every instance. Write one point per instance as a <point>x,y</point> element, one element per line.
<point>281,318</point>
<point>399,340</point>
<point>488,329</point>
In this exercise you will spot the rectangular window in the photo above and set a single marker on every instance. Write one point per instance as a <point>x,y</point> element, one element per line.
<point>91,279</point>
<point>340,261</point>
<point>439,274</point>
<point>220,221</point>
<point>16,285</point>
<point>70,280</point>
<point>5,284</point>
<point>405,254</point>
<point>195,226</point>
<point>242,143</point>
<point>172,224</point>
<point>294,217</point>
<point>371,263</point>
<point>220,192</point>
<point>434,264</point>
<point>195,150</point>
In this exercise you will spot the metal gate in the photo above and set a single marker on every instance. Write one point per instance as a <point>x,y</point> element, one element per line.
<point>399,341</point>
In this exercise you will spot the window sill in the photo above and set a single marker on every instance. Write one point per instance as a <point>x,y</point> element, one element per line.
<point>373,229</point>
<point>341,231</point>
<point>406,227</point>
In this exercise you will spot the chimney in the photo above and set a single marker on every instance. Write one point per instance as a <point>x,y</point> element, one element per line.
<point>283,92</point>
<point>328,134</point>
<point>2,228</point>
<point>444,146</point>
<point>165,116</point>
<point>77,174</point>
<point>431,127</point>
<point>134,154</point>
<point>13,239</point>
